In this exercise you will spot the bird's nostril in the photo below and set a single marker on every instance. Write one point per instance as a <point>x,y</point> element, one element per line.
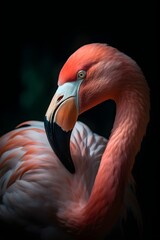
<point>59,98</point>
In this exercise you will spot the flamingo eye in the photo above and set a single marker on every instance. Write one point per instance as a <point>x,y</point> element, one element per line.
<point>81,74</point>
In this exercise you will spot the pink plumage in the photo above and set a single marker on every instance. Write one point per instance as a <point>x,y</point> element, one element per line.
<point>36,189</point>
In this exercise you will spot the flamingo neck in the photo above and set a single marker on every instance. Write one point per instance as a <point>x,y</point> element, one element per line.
<point>106,199</point>
<point>130,124</point>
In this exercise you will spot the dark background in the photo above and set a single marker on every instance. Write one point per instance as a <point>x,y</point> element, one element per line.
<point>37,39</point>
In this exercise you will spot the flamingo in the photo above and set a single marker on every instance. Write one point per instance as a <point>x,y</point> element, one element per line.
<point>58,177</point>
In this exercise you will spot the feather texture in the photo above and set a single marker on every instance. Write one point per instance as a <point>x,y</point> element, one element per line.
<point>27,176</point>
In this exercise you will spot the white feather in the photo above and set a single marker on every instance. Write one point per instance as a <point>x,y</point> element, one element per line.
<point>41,190</point>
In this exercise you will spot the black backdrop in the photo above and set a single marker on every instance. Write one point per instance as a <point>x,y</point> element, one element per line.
<point>37,39</point>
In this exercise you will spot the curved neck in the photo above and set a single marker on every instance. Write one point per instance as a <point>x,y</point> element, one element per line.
<point>106,199</point>
<point>132,116</point>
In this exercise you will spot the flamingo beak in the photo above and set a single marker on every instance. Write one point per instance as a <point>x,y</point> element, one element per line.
<point>60,119</point>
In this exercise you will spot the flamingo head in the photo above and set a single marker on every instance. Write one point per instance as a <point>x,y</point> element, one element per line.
<point>82,84</point>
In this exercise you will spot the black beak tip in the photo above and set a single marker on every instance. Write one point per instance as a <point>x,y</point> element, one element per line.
<point>60,143</point>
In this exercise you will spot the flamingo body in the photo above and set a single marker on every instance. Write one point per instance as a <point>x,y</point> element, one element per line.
<point>29,186</point>
<point>60,179</point>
